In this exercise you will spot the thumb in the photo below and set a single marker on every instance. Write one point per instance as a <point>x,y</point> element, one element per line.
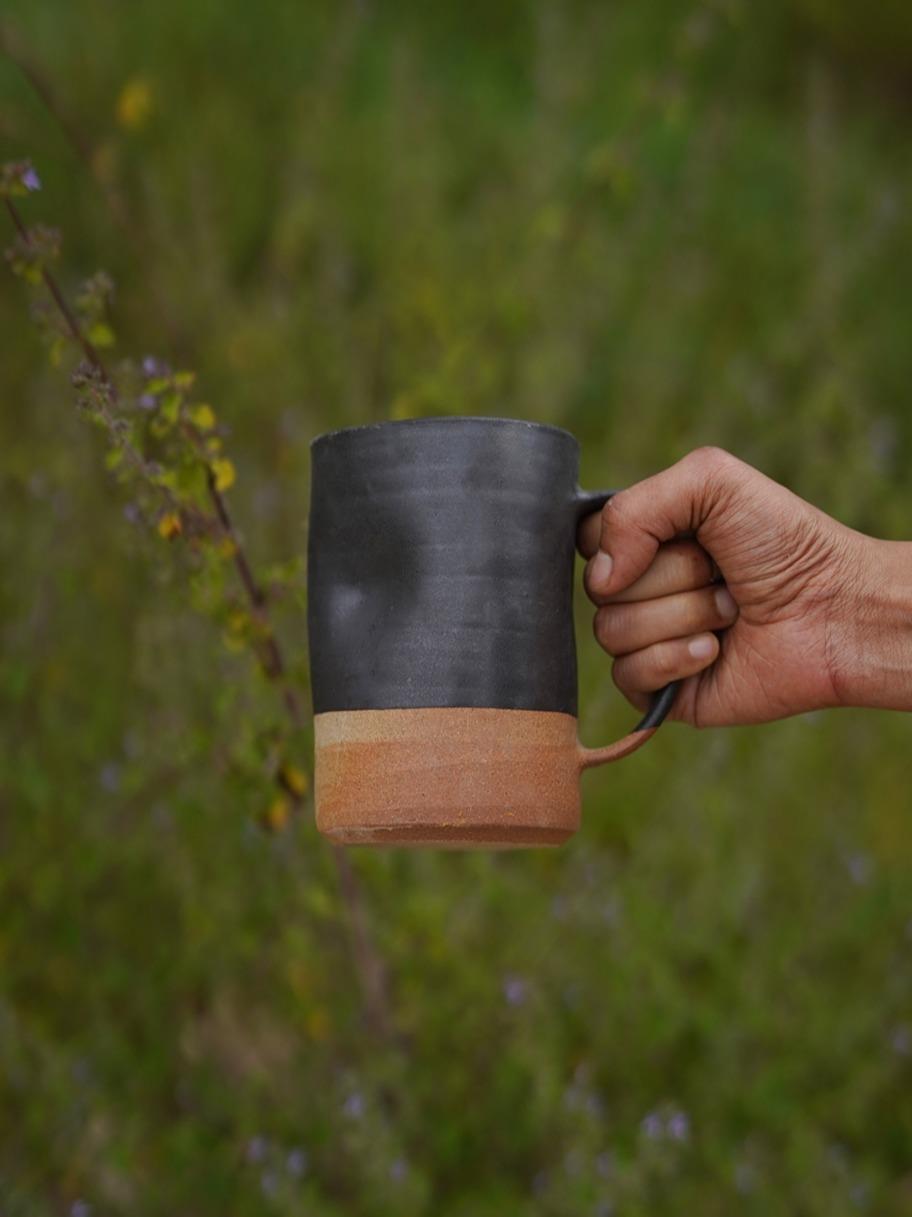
<point>637,520</point>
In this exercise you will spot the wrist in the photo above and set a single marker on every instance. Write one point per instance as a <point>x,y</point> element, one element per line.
<point>869,634</point>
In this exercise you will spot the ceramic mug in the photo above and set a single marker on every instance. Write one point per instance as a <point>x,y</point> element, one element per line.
<point>443,661</point>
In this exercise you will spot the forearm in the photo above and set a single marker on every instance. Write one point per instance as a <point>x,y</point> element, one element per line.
<point>869,645</point>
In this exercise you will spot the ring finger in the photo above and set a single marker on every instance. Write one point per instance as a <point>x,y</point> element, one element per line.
<point>624,628</point>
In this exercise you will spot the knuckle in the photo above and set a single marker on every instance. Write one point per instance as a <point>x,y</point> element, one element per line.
<point>694,562</point>
<point>663,662</point>
<point>616,511</point>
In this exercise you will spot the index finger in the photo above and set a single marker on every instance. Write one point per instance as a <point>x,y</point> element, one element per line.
<point>589,533</point>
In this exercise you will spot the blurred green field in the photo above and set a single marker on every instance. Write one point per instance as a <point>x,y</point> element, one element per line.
<point>659,225</point>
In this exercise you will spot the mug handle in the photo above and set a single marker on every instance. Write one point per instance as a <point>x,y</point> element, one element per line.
<point>588,501</point>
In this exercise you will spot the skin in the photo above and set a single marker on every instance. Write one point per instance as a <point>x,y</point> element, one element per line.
<point>713,574</point>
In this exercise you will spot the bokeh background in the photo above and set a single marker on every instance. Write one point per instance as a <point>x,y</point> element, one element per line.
<point>659,225</point>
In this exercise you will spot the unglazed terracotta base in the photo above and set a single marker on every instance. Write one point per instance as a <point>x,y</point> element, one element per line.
<point>452,778</point>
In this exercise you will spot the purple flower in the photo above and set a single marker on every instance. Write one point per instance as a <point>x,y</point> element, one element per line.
<point>79,1208</point>
<point>257,1148</point>
<point>901,1040</point>
<point>152,366</point>
<point>604,1164</point>
<point>678,1126</point>
<point>354,1105</point>
<point>515,989</point>
<point>31,181</point>
<point>398,1169</point>
<point>147,401</point>
<point>296,1162</point>
<point>651,1126</point>
<point>109,776</point>
<point>860,868</point>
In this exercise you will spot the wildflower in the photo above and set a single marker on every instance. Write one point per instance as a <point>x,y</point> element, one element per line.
<point>109,776</point>
<point>294,779</point>
<point>224,473</point>
<point>134,104</point>
<point>29,178</point>
<point>296,1162</point>
<point>652,1126</point>
<point>257,1148</point>
<point>398,1169</point>
<point>515,990</point>
<point>354,1105</point>
<point>604,1164</point>
<point>901,1040</point>
<point>860,868</point>
<point>169,525</point>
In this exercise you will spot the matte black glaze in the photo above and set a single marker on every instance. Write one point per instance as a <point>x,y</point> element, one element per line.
<point>440,565</point>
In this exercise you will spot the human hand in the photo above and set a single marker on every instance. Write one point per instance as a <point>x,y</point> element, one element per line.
<point>762,605</point>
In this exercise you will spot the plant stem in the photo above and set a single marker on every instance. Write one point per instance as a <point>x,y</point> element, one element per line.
<point>369,964</point>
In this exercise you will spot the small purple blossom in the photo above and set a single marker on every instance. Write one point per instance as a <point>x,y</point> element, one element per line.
<point>257,1148</point>
<point>860,867</point>
<point>296,1162</point>
<point>652,1126</point>
<point>152,366</point>
<point>745,1178</point>
<point>79,1208</point>
<point>666,1124</point>
<point>30,179</point>
<point>147,401</point>
<point>515,989</point>
<point>354,1105</point>
<point>901,1040</point>
<point>604,1164</point>
<point>109,777</point>
<point>398,1170</point>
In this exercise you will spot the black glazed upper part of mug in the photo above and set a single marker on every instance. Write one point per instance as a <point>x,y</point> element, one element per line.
<point>440,565</point>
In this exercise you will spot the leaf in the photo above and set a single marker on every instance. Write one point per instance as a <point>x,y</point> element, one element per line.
<point>101,334</point>
<point>202,416</point>
<point>114,459</point>
<point>169,525</point>
<point>184,380</point>
<point>224,474</point>
<point>169,407</point>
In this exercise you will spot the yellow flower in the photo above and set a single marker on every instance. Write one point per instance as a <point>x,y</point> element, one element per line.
<point>169,525</point>
<point>294,779</point>
<point>278,813</point>
<point>224,473</point>
<point>134,104</point>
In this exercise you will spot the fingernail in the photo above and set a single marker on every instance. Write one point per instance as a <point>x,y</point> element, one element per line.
<point>725,603</point>
<point>600,572</point>
<point>702,647</point>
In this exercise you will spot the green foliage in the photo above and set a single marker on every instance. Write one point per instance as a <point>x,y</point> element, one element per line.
<point>659,225</point>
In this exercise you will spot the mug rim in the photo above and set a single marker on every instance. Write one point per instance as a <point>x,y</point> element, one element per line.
<point>450,419</point>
